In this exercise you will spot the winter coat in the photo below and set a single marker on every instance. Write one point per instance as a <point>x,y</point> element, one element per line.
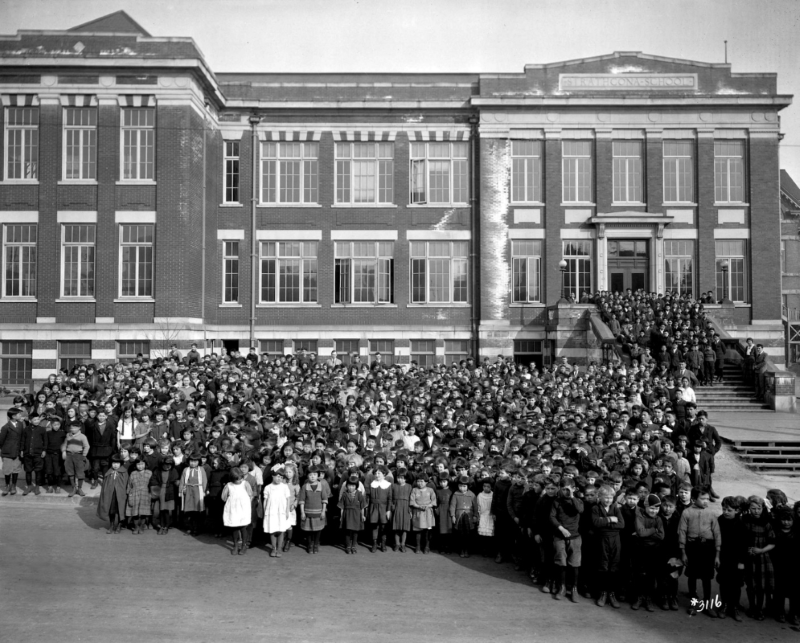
<point>114,483</point>
<point>11,440</point>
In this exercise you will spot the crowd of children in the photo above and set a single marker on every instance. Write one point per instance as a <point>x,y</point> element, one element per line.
<point>595,481</point>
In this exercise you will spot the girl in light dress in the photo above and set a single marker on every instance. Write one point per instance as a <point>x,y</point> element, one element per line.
<point>292,478</point>
<point>485,517</point>
<point>237,496</point>
<point>277,511</point>
<point>422,501</point>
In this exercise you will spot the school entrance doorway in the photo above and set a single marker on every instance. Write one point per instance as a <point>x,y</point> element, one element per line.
<point>628,264</point>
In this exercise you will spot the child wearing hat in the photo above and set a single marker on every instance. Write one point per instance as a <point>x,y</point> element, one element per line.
<point>113,500</point>
<point>192,489</point>
<point>277,511</point>
<point>464,512</point>
<point>353,506</point>
<point>422,502</point>
<point>74,451</point>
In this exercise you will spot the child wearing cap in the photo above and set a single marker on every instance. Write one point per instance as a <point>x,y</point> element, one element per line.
<point>74,451</point>
<point>648,540</point>
<point>464,513</point>
<point>564,517</point>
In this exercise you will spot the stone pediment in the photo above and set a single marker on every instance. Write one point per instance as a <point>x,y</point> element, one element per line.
<point>631,219</point>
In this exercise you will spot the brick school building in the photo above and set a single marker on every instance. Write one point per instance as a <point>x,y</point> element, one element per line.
<point>146,200</point>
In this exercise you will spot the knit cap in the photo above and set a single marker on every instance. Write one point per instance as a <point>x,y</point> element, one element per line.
<point>652,501</point>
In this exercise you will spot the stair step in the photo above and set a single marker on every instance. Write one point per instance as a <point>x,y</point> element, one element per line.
<point>788,449</point>
<point>791,458</point>
<point>775,465</point>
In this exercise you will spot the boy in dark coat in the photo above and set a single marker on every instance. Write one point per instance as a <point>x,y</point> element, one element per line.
<point>114,496</point>
<point>10,449</point>
<point>54,437</point>
<point>565,516</point>
<point>504,526</point>
<point>608,523</point>
<point>647,541</point>
<point>33,453</point>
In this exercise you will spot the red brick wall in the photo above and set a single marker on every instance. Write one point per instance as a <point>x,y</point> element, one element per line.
<point>765,231</point>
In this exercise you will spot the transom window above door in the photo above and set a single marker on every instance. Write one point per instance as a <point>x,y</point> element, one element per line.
<point>627,248</point>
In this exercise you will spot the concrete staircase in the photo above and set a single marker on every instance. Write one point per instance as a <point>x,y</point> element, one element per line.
<point>773,458</point>
<point>730,395</point>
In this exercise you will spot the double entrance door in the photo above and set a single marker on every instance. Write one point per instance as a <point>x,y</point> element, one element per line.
<point>628,264</point>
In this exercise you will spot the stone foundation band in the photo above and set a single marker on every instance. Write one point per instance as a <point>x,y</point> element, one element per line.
<point>595,482</point>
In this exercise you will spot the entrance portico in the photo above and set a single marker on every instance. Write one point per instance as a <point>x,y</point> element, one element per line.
<point>630,250</point>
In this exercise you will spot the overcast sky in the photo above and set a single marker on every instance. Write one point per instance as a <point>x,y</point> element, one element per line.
<point>457,35</point>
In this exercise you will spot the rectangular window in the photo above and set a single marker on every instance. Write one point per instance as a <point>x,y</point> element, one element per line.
<point>138,143</point>
<point>346,347</point>
<point>22,143</point>
<point>272,347</point>
<point>729,176</point>
<point>289,272</point>
<point>526,171</point>
<point>70,354</point>
<point>439,272</point>
<point>526,271</point>
<point>455,350</point>
<point>231,162</point>
<point>136,260</point>
<point>423,352</point>
<point>679,171</point>
<point>734,284</point>
<point>230,263</point>
<point>364,272</point>
<point>127,351</point>
<point>80,143</point>
<point>307,345</point>
<point>784,248</point>
<point>439,173</point>
<point>364,173</point>
<point>627,171</point>
<point>19,260</point>
<point>289,172</point>
<point>78,252</point>
<point>679,266</point>
<point>16,363</point>
<point>576,167</point>
<point>528,351</point>
<point>578,275</point>
<point>383,346</point>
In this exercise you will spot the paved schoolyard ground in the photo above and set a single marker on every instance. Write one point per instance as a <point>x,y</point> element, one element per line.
<point>64,579</point>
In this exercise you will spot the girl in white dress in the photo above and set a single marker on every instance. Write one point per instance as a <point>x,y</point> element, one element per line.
<point>237,496</point>
<point>277,511</point>
<point>485,517</point>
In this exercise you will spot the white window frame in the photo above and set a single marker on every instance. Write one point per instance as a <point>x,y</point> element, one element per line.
<point>29,142</point>
<point>725,164</point>
<point>422,156</point>
<point>80,245</point>
<point>526,171</point>
<point>231,158</point>
<point>681,252</point>
<point>20,264</point>
<point>387,354</point>
<point>682,168</point>
<point>577,162</point>
<point>382,261</point>
<point>725,250</point>
<point>16,356</point>
<point>146,132</point>
<point>378,176</point>
<point>230,259</point>
<point>453,262</point>
<point>262,345</point>
<point>627,174</point>
<point>574,252</point>
<point>308,177</point>
<point>86,134</point>
<point>526,255</point>
<point>79,359</point>
<point>306,260</point>
<point>129,244</point>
